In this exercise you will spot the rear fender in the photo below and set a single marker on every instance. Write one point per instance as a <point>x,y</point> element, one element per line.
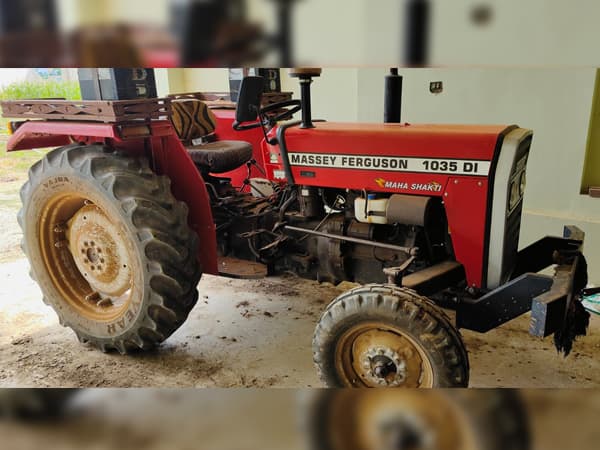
<point>156,140</point>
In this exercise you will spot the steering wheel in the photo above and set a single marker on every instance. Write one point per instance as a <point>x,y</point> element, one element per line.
<point>264,120</point>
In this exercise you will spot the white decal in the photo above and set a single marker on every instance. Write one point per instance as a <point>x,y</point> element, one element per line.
<point>392,163</point>
<point>279,174</point>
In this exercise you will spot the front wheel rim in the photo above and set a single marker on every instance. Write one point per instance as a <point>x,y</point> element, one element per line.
<point>392,419</point>
<point>378,355</point>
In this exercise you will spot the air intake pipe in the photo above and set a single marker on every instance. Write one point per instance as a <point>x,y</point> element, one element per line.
<point>305,75</point>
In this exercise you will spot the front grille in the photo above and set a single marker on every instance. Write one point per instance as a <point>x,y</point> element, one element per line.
<point>513,220</point>
<point>511,242</point>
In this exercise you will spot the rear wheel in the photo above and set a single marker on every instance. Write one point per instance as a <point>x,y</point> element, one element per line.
<point>418,420</point>
<point>386,336</point>
<point>109,246</point>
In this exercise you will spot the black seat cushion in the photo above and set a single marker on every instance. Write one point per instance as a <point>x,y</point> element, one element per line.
<point>221,156</point>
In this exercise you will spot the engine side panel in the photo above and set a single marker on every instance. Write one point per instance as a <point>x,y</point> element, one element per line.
<point>453,162</point>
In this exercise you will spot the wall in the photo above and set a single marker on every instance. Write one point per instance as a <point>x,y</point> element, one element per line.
<point>173,81</point>
<point>538,32</point>
<point>333,94</point>
<point>75,13</point>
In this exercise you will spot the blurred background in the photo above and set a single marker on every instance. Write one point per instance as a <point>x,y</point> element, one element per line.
<point>282,33</point>
<point>299,419</point>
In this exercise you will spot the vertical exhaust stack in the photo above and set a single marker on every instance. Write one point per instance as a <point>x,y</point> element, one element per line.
<point>393,97</point>
<point>305,75</point>
<point>417,20</point>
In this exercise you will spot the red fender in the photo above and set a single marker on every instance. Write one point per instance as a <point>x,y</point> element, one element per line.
<point>156,140</point>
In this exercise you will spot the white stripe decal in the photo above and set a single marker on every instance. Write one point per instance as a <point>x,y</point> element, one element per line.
<point>392,163</point>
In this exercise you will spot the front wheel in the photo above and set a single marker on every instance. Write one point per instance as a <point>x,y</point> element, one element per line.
<point>109,246</point>
<point>455,419</point>
<point>386,336</point>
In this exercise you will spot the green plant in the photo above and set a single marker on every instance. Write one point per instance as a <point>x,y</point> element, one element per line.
<point>18,163</point>
<point>41,89</point>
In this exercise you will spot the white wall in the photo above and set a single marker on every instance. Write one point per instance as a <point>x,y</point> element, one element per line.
<point>333,94</point>
<point>76,13</point>
<point>530,32</point>
<point>538,32</point>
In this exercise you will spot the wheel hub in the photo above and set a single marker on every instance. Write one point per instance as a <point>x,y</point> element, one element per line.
<point>99,251</point>
<point>403,433</point>
<point>377,355</point>
<point>384,366</point>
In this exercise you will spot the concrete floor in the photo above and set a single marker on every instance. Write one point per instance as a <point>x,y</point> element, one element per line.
<point>247,334</point>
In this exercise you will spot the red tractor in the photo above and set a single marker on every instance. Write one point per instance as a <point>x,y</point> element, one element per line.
<point>120,222</point>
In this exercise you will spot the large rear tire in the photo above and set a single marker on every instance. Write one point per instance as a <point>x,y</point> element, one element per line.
<point>109,246</point>
<point>386,336</point>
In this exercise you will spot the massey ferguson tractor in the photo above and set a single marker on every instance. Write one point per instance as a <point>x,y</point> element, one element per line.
<point>123,218</point>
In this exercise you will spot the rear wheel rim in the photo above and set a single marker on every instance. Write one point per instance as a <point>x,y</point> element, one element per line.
<point>87,256</point>
<point>378,355</point>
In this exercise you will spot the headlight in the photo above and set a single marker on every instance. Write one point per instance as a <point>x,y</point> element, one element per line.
<point>522,183</point>
<point>514,195</point>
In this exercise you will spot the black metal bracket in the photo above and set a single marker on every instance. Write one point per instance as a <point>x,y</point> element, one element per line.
<point>548,297</point>
<point>548,311</point>
<point>394,274</point>
<point>501,305</point>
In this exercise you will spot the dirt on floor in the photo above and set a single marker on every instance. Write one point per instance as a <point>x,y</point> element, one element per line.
<point>247,333</point>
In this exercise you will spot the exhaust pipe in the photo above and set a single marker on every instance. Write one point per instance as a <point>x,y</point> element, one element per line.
<point>393,97</point>
<point>417,20</point>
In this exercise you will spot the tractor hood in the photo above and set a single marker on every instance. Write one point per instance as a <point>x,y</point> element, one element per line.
<point>477,142</point>
<point>365,154</point>
<point>476,170</point>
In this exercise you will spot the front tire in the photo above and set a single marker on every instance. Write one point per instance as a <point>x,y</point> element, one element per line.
<point>454,419</point>
<point>109,246</point>
<point>386,336</point>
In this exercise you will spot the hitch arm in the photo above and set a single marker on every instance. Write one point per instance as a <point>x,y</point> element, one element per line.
<point>549,310</point>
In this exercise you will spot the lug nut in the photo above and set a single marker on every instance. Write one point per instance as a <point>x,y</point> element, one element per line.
<point>94,296</point>
<point>104,302</point>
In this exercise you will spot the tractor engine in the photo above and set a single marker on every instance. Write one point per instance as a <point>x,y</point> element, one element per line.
<point>328,234</point>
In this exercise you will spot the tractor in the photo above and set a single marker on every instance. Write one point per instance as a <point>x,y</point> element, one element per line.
<point>135,204</point>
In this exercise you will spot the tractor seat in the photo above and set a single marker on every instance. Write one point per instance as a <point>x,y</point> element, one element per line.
<point>193,121</point>
<point>221,156</point>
